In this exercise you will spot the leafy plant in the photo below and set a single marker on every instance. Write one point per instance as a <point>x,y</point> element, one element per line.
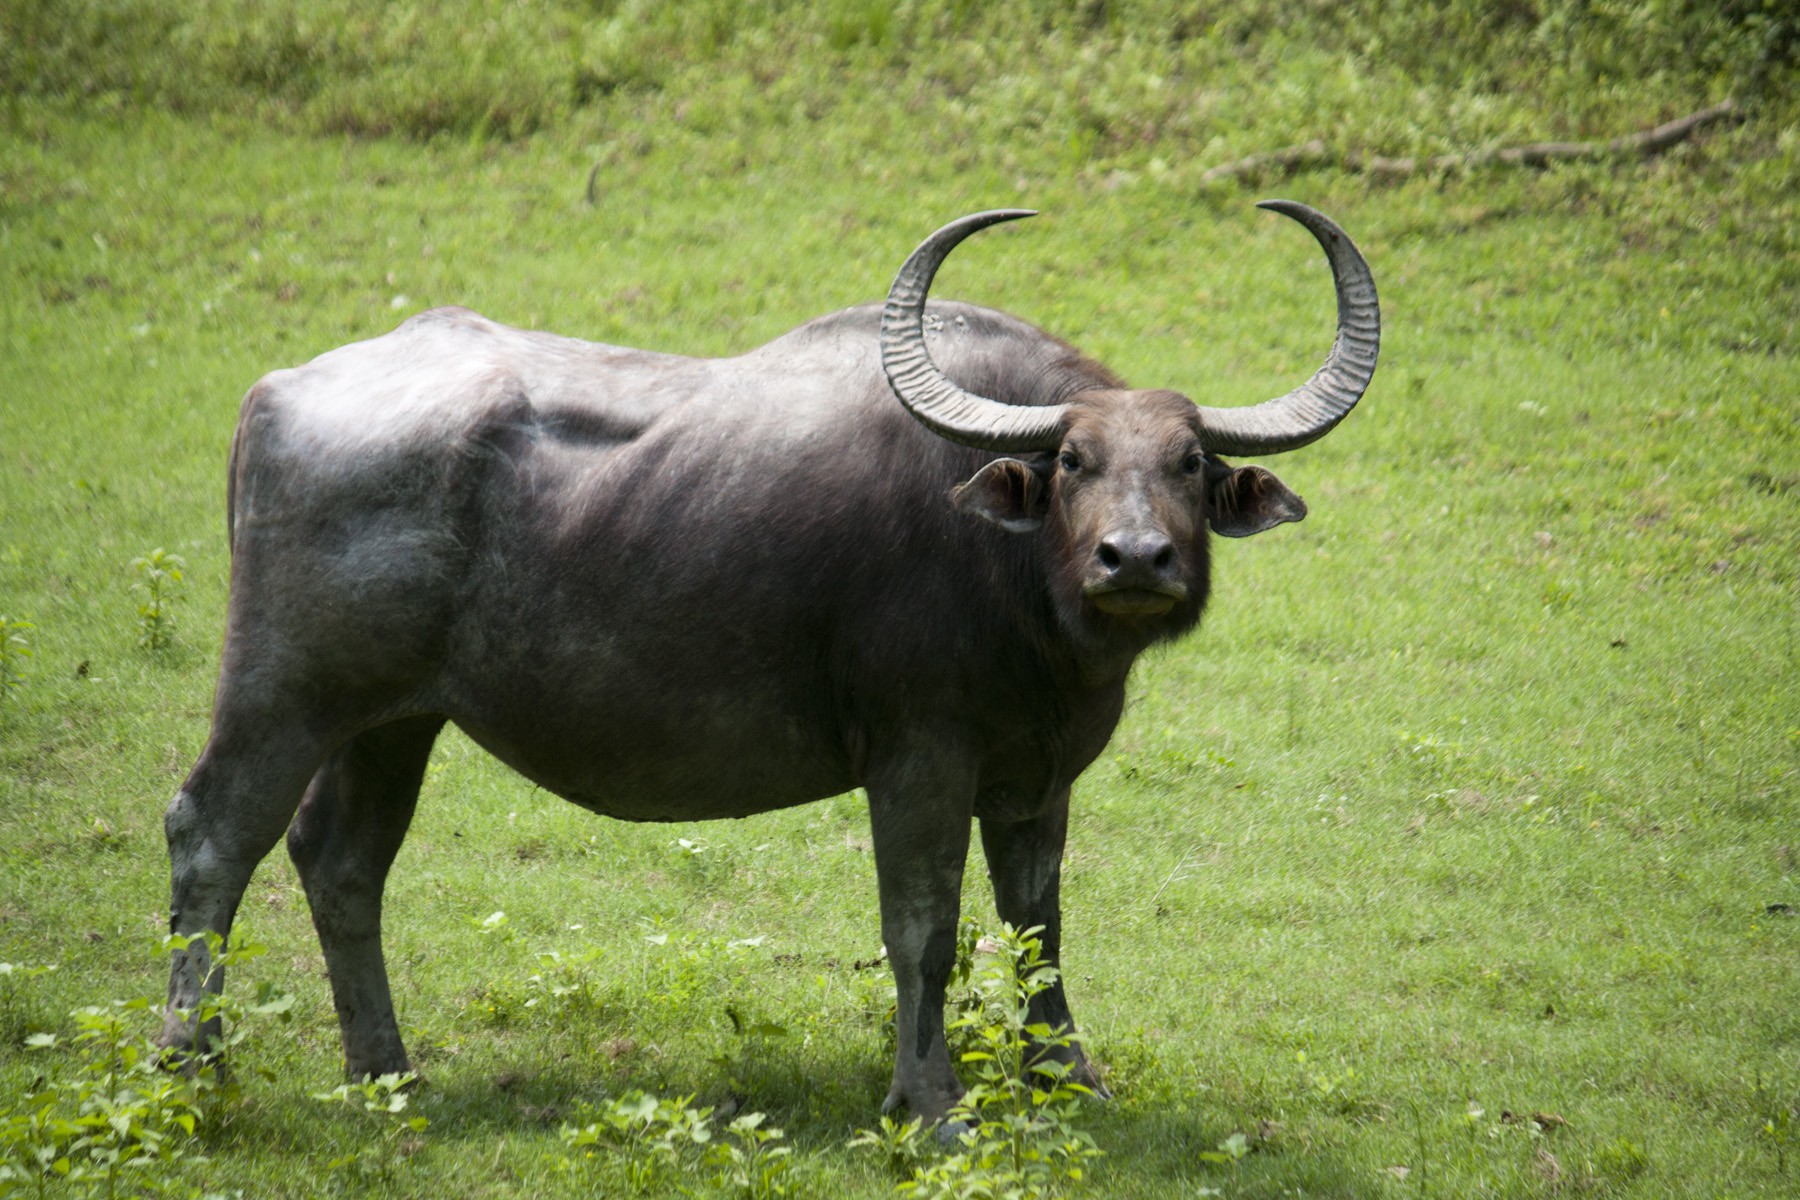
<point>750,1043</point>
<point>1229,1151</point>
<point>1326,1087</point>
<point>1620,1160</point>
<point>901,1143</point>
<point>121,1113</point>
<point>563,982</point>
<point>14,650</point>
<point>748,1162</point>
<point>383,1101</point>
<point>118,1117</point>
<point>655,1137</point>
<point>1776,1130</point>
<point>15,1014</point>
<point>681,970</point>
<point>704,863</point>
<point>1018,1136</point>
<point>160,579</point>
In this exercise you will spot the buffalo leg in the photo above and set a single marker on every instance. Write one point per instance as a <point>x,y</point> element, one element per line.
<point>226,817</point>
<point>1025,862</point>
<point>920,822</point>
<point>343,841</point>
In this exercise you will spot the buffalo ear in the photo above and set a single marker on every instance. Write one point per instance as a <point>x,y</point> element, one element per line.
<point>1007,492</point>
<point>1241,501</point>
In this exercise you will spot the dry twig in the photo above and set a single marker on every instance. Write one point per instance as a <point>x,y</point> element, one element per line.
<point>1643,144</point>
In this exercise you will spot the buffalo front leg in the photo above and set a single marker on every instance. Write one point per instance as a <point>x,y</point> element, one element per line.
<point>919,814</point>
<point>1025,862</point>
<point>227,816</point>
<point>343,840</point>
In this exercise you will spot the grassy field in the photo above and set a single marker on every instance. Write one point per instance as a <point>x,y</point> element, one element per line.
<point>1476,796</point>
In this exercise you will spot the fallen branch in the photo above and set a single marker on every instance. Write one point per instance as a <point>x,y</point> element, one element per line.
<point>1292,158</point>
<point>1643,144</point>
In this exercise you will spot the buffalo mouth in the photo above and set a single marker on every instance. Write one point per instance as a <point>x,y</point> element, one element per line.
<point>1136,602</point>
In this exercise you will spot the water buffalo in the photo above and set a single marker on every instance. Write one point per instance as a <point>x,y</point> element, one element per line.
<point>673,589</point>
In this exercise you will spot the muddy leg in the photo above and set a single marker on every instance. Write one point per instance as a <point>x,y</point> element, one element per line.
<point>1025,861</point>
<point>343,841</point>
<point>919,810</point>
<point>227,816</point>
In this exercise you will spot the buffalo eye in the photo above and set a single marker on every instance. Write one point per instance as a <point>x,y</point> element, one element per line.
<point>1070,460</point>
<point>1192,463</point>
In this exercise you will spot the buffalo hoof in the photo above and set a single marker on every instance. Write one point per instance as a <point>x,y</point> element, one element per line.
<point>183,1060</point>
<point>183,1048</point>
<point>1088,1076</point>
<point>1081,1069</point>
<point>358,1072</point>
<point>949,1133</point>
<point>932,1105</point>
<point>178,1060</point>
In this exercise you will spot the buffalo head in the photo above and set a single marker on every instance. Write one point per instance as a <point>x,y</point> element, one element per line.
<point>1127,482</point>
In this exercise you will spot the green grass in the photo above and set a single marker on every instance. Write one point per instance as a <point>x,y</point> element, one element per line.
<point>1475,789</point>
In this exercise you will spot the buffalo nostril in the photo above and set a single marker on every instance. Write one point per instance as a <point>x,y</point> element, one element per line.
<point>1134,554</point>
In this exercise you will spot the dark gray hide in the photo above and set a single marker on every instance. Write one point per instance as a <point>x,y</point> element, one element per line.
<point>671,589</point>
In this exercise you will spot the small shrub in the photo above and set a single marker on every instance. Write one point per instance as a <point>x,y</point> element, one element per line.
<point>563,983</point>
<point>748,1047</point>
<point>119,1114</point>
<point>1333,1090</point>
<point>14,650</point>
<point>654,1142</point>
<point>160,579</point>
<point>650,1139</point>
<point>1620,1161</point>
<point>382,1101</point>
<point>112,1115</point>
<point>1019,1137</point>
<point>15,1010</point>
<point>269,1000</point>
<point>1776,1132</point>
<point>1229,1151</point>
<point>901,1143</point>
<point>563,988</point>
<point>682,971</point>
<point>704,864</point>
<point>748,1162</point>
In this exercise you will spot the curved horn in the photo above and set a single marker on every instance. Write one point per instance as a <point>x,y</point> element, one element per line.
<point>940,405</point>
<point>1309,411</point>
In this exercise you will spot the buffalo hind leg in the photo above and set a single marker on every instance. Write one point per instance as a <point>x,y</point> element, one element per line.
<point>1025,862</point>
<point>226,817</point>
<point>350,826</point>
<point>919,812</point>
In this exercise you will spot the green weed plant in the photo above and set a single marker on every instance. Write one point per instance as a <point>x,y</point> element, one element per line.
<point>160,576</point>
<point>14,650</point>
<point>751,1162</point>
<point>381,1102</point>
<point>646,1139</point>
<point>111,1112</point>
<point>1018,1130</point>
<point>901,1143</point>
<point>17,1011</point>
<point>659,1146</point>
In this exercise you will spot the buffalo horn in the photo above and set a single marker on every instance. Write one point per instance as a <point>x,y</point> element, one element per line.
<point>1310,410</point>
<point>940,405</point>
